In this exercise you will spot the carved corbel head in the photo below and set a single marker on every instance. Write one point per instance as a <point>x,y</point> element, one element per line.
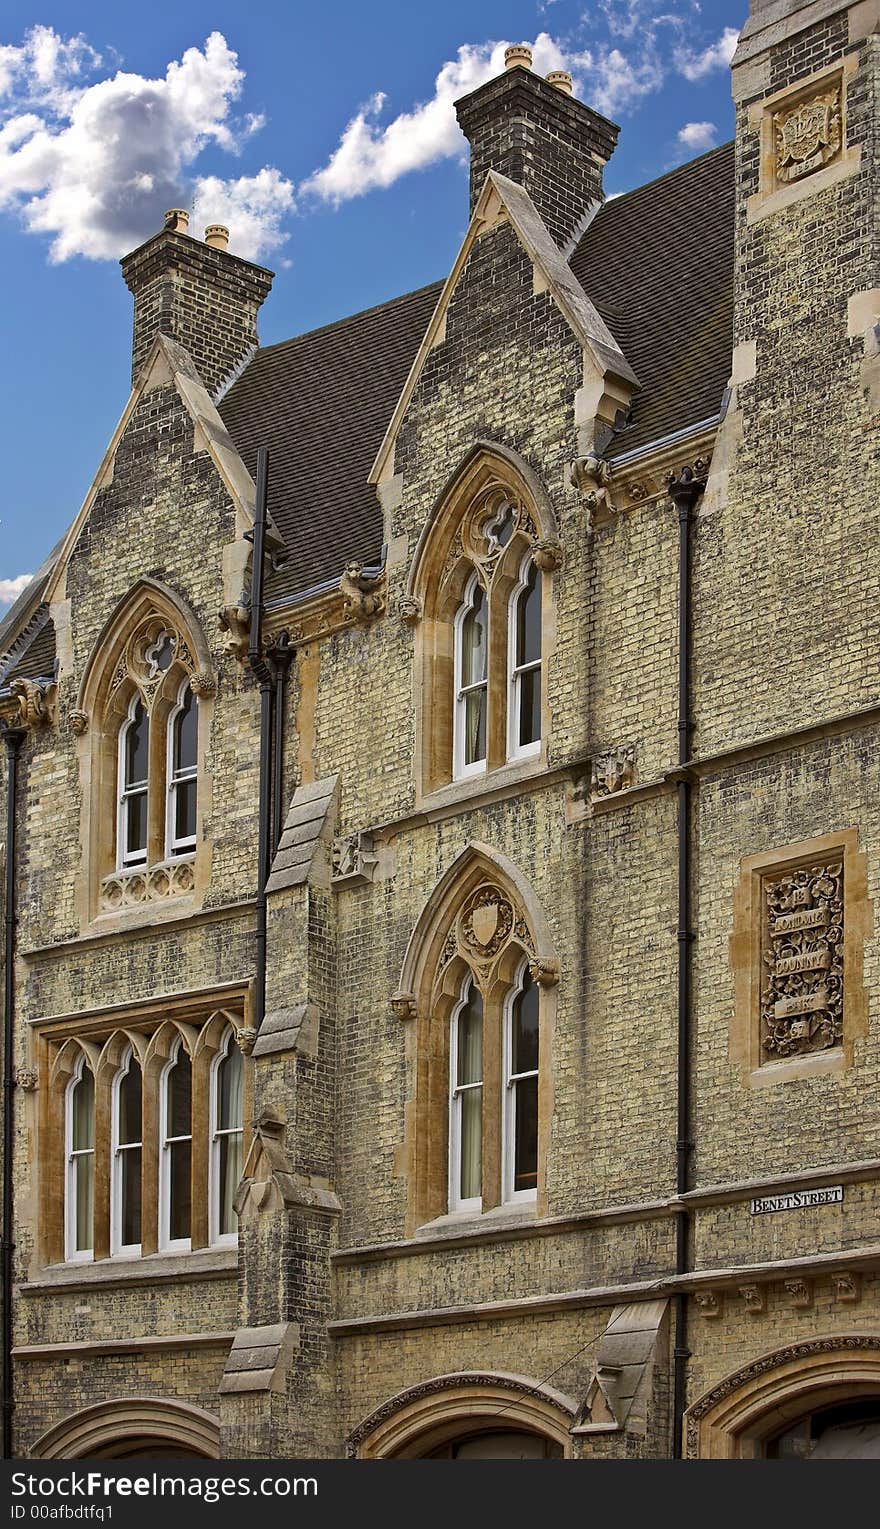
<point>27,1078</point>
<point>362,594</point>
<point>245,1039</point>
<point>34,699</point>
<point>203,683</point>
<point>544,970</point>
<point>409,610</point>
<point>79,721</point>
<point>591,475</point>
<point>546,554</point>
<point>235,622</point>
<point>403,1006</point>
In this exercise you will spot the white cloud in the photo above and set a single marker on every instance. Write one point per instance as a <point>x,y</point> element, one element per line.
<point>10,589</point>
<point>95,165</point>
<point>370,155</point>
<point>694,66</point>
<point>697,135</point>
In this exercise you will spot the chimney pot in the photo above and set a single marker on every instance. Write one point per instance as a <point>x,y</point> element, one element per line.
<point>562,80</point>
<point>217,236</point>
<point>518,56</point>
<point>176,220</point>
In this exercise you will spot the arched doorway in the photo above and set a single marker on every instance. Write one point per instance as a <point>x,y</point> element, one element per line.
<point>132,1428</point>
<point>469,1416</point>
<point>817,1399</point>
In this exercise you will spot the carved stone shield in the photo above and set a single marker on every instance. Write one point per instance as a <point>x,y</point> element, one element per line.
<point>807,137</point>
<point>484,922</point>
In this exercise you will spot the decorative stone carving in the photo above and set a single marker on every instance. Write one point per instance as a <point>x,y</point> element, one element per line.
<point>485,923</point>
<point>800,1293</point>
<point>403,1006</point>
<point>807,134</point>
<point>27,1078</point>
<point>79,721</point>
<point>235,622</point>
<point>203,684</point>
<point>129,888</point>
<point>353,858</point>
<point>362,595</point>
<point>613,770</point>
<point>591,475</point>
<point>495,516</point>
<point>802,1001</point>
<point>754,1299</point>
<point>847,1288</point>
<point>34,702</point>
<point>544,970</point>
<point>245,1039</point>
<point>708,1302</point>
<point>409,610</point>
<point>546,554</point>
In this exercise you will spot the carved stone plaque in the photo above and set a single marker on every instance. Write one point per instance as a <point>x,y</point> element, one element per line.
<point>807,135</point>
<point>802,998</point>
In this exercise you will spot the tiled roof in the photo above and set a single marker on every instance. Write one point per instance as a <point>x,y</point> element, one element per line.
<point>321,403</point>
<point>32,655</point>
<point>658,264</point>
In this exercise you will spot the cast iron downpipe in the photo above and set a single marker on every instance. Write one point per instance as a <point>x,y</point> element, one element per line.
<point>281,655</point>
<point>14,739</point>
<point>684,491</point>
<point>263,673</point>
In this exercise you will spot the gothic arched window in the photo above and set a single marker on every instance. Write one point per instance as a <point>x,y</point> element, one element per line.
<point>80,1177</point>
<point>227,1100</point>
<point>126,1148</point>
<point>175,1151</point>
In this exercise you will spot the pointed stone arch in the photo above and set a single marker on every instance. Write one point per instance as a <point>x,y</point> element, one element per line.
<point>493,487</point>
<point>482,918</point>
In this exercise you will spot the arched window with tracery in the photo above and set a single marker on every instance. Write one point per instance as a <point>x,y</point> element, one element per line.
<point>144,708</point>
<point>480,595</point>
<point>479,983</point>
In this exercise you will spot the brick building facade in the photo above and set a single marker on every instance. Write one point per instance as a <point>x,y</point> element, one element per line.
<point>556,1130</point>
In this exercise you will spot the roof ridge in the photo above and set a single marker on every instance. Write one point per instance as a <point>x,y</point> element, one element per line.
<point>347,318</point>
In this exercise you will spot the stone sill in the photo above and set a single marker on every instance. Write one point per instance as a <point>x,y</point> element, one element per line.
<point>205,1263</point>
<point>475,1224</point>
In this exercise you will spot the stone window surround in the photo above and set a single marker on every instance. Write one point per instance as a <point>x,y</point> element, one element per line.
<point>431,983</point>
<point>746,958</point>
<point>107,895</point>
<point>441,569</point>
<point>772,196</point>
<point>103,1040</point>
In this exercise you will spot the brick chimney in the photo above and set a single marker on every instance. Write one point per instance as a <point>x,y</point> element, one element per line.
<point>197,294</point>
<point>537,134</point>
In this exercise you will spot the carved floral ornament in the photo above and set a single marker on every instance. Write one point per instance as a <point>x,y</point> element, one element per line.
<point>802,1000</point>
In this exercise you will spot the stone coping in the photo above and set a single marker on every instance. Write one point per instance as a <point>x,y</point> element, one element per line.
<point>207,1263</point>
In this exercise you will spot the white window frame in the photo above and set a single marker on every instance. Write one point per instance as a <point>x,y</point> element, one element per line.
<point>118,1248</point>
<point>473,1202</point>
<point>218,1239</point>
<point>125,859</point>
<point>176,848</point>
<point>510,1195</point>
<point>515,671</point>
<point>166,1242</point>
<point>72,1254</point>
<point>460,770</point>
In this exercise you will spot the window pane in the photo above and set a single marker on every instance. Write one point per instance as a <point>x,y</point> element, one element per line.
<point>83,1136</point>
<point>470,1039</point>
<point>180,1186</point>
<point>475,726</point>
<point>525,1162</point>
<point>130,1105</point>
<point>185,810</point>
<point>530,706</point>
<point>186,733</point>
<point>230,1176</point>
<point>179,1085</point>
<point>501,529</point>
<point>525,1027</point>
<point>136,823</point>
<point>473,640</point>
<point>84,1170</point>
<point>137,747</point>
<point>471,1143</point>
<point>229,1091</point>
<point>528,619</point>
<point>130,1168</point>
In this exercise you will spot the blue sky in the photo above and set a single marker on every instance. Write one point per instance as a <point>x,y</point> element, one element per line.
<point>322,134</point>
